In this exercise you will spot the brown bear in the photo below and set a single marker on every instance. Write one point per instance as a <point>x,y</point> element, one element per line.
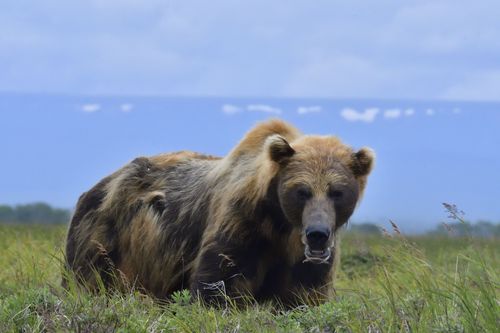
<point>261,222</point>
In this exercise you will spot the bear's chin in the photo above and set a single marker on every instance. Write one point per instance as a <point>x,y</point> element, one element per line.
<point>317,257</point>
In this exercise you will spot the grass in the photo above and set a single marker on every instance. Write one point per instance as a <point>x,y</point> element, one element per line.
<point>385,284</point>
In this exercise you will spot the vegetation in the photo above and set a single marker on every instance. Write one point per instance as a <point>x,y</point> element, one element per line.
<point>365,228</point>
<point>33,213</point>
<point>385,284</point>
<point>484,229</point>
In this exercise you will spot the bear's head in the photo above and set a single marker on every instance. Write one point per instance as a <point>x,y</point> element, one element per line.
<point>320,180</point>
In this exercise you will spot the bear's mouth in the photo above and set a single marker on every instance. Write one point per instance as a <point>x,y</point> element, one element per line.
<point>317,256</point>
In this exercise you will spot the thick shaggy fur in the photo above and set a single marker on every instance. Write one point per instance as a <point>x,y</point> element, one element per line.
<point>212,225</point>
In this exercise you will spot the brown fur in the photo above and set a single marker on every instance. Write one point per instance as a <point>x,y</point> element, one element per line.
<point>185,220</point>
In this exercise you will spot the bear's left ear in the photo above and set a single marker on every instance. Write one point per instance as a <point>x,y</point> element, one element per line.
<point>363,161</point>
<point>279,149</point>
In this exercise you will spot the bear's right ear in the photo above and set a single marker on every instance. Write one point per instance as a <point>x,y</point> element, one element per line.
<point>279,149</point>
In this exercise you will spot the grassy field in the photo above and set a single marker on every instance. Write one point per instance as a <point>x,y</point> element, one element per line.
<point>385,284</point>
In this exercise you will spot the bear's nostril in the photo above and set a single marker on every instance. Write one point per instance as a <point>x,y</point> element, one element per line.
<point>317,236</point>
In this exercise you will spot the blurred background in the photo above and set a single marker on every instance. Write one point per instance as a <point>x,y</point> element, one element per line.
<point>86,86</point>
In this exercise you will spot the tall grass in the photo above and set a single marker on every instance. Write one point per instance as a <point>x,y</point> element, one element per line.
<point>384,284</point>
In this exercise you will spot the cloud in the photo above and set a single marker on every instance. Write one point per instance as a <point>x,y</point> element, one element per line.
<point>126,107</point>
<point>263,108</point>
<point>367,116</point>
<point>478,86</point>
<point>91,108</point>
<point>430,112</point>
<point>309,109</point>
<point>451,56</point>
<point>392,113</point>
<point>323,74</point>
<point>409,112</point>
<point>230,109</point>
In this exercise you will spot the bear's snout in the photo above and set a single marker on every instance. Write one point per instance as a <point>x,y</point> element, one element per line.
<point>317,237</point>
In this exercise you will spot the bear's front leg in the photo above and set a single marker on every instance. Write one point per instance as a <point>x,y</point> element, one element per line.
<point>225,272</point>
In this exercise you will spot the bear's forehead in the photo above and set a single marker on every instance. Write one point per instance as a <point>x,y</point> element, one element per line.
<point>317,175</point>
<point>328,169</point>
<point>319,162</point>
<point>322,151</point>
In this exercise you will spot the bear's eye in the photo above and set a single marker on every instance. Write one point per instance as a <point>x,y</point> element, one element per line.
<point>335,194</point>
<point>304,194</point>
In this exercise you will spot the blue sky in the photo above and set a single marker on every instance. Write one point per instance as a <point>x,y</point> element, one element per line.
<point>437,49</point>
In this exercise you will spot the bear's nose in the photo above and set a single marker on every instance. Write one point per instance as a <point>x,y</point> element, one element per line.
<point>317,236</point>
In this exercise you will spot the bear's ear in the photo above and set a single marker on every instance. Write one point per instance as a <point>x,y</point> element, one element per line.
<point>279,149</point>
<point>363,161</point>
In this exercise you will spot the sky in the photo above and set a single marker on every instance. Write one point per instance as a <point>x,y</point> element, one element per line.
<point>55,147</point>
<point>426,49</point>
